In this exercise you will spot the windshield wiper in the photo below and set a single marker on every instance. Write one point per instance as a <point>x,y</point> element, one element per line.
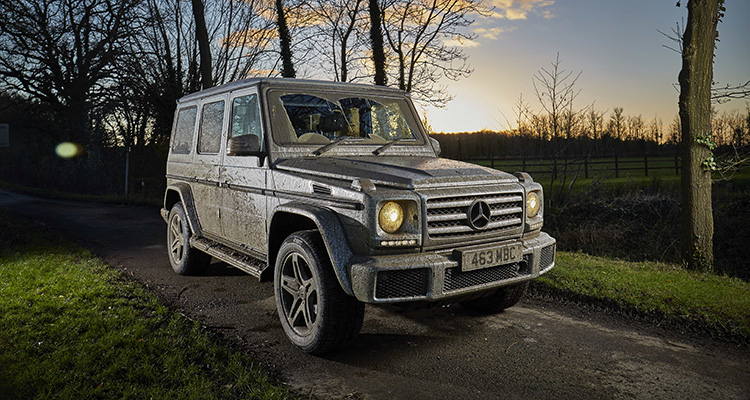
<point>380,150</point>
<point>335,143</point>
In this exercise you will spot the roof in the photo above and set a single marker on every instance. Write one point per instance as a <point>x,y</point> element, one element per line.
<point>287,82</point>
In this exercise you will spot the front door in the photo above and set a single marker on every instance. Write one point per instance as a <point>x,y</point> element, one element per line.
<point>243,210</point>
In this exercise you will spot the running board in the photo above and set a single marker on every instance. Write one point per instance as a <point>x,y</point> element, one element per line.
<point>243,262</point>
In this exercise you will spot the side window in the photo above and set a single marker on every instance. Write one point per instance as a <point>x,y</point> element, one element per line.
<point>245,132</point>
<point>245,117</point>
<point>212,120</point>
<point>183,134</point>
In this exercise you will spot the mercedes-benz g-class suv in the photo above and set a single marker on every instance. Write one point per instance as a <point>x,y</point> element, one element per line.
<point>336,193</point>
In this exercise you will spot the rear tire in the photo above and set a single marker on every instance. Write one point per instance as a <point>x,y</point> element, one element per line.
<point>315,312</point>
<point>502,298</point>
<point>185,260</point>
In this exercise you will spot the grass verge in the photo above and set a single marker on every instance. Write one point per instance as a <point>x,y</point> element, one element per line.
<point>72,327</point>
<point>662,293</point>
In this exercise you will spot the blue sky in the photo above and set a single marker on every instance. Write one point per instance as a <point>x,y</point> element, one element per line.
<point>616,45</point>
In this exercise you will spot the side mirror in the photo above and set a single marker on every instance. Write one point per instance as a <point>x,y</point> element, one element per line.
<point>435,145</point>
<point>246,145</point>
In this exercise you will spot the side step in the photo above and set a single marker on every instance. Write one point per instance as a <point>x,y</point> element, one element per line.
<point>243,262</point>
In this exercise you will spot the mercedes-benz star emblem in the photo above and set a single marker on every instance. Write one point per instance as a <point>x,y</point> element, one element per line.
<point>479,214</point>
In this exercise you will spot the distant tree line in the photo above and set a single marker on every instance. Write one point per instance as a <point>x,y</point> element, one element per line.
<point>592,133</point>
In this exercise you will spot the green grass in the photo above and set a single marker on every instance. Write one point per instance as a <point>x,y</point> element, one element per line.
<point>709,302</point>
<point>72,327</point>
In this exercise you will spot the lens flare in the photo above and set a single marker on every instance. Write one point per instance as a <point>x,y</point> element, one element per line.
<point>68,150</point>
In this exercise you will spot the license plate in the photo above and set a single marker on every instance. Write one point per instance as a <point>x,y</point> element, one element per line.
<point>490,257</point>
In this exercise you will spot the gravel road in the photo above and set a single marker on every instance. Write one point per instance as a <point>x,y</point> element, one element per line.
<point>535,350</point>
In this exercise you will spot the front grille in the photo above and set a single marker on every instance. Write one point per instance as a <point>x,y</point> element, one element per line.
<point>456,279</point>
<point>402,283</point>
<point>547,257</point>
<point>448,216</point>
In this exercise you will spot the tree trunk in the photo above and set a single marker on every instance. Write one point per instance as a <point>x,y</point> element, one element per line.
<point>201,34</point>
<point>695,115</point>
<point>376,38</point>
<point>285,41</point>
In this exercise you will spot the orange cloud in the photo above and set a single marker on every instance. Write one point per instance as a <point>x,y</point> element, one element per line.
<point>460,42</point>
<point>520,9</point>
<point>492,33</point>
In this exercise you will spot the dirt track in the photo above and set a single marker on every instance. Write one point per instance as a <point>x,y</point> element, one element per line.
<point>535,350</point>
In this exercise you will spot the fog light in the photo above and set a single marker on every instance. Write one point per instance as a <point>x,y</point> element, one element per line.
<point>397,243</point>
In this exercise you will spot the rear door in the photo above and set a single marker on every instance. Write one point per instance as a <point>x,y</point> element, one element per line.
<point>207,164</point>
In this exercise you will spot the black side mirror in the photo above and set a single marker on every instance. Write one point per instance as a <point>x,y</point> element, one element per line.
<point>246,145</point>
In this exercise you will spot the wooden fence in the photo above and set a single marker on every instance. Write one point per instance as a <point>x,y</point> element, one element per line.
<point>587,166</point>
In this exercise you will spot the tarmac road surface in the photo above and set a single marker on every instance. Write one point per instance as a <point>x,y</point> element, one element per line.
<point>535,350</point>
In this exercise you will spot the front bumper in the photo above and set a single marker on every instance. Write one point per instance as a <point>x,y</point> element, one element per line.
<point>437,275</point>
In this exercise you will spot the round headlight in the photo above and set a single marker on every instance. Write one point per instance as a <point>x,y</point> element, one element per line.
<point>391,217</point>
<point>532,205</point>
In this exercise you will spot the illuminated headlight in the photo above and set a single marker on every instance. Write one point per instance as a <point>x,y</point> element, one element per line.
<point>391,217</point>
<point>533,204</point>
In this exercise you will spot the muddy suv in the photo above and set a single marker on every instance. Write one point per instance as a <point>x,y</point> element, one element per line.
<point>336,193</point>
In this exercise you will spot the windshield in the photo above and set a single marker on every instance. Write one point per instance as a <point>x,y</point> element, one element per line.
<point>322,118</point>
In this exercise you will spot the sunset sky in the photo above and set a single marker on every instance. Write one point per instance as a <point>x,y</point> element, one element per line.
<point>615,43</point>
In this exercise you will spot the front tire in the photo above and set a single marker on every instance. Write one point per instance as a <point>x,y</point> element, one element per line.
<point>185,260</point>
<point>315,312</point>
<point>499,300</point>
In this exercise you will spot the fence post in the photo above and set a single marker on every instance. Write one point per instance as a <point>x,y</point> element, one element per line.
<point>645,162</point>
<point>492,162</point>
<point>676,164</point>
<point>127,169</point>
<point>554,168</point>
<point>617,167</point>
<point>586,167</point>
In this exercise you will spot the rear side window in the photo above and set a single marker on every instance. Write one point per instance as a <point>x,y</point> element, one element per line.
<point>212,120</point>
<point>183,134</point>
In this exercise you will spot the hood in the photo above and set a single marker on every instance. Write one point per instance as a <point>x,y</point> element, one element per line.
<point>397,171</point>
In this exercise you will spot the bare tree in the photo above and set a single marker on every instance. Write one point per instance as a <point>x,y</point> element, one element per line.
<point>675,130</point>
<point>555,89</point>
<point>205,51</point>
<point>63,53</point>
<point>417,31</point>
<point>341,24</point>
<point>617,123</point>
<point>376,42</point>
<point>723,94</point>
<point>285,41</point>
<point>696,78</point>
<point>656,130</point>
<point>636,127</point>
<point>245,38</point>
<point>595,122</point>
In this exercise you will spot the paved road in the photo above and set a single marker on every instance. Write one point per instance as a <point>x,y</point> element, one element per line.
<point>535,350</point>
